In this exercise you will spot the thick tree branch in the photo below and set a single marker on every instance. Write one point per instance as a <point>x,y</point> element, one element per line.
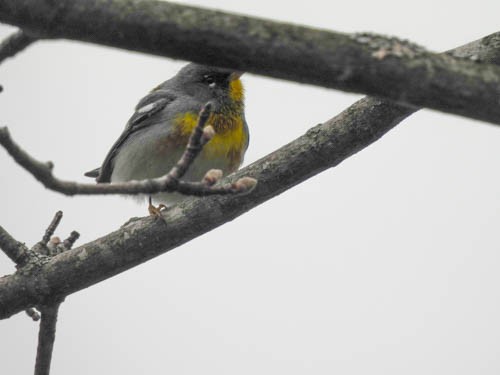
<point>322,147</point>
<point>169,182</point>
<point>379,66</point>
<point>484,50</point>
<point>14,44</point>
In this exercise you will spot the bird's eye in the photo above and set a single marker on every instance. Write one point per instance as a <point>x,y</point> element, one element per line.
<point>209,80</point>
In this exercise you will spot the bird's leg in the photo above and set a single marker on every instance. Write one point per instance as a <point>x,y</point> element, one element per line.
<point>155,211</point>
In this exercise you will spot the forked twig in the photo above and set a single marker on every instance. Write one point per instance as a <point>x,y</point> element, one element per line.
<point>22,256</point>
<point>169,182</point>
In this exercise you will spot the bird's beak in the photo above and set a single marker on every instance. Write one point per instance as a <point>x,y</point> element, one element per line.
<point>235,75</point>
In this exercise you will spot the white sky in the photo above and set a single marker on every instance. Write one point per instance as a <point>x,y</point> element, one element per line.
<point>387,264</point>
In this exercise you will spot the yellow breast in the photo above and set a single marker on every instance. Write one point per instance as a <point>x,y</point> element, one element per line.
<point>229,142</point>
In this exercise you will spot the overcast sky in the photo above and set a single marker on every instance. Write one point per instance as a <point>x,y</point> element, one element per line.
<point>386,264</point>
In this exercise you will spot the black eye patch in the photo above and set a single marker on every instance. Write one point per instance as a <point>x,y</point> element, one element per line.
<point>215,79</point>
<point>209,79</point>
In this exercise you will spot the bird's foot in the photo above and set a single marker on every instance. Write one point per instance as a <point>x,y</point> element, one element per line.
<point>156,210</point>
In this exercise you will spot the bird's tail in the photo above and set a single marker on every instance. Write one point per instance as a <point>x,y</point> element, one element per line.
<point>94,173</point>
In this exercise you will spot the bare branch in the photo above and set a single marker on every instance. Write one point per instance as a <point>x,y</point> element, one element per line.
<point>198,138</point>
<point>14,44</point>
<point>380,66</point>
<point>23,256</point>
<point>52,227</point>
<point>70,241</point>
<point>49,312</point>
<point>42,247</point>
<point>170,182</point>
<point>56,246</point>
<point>46,338</point>
<point>15,250</point>
<point>322,147</point>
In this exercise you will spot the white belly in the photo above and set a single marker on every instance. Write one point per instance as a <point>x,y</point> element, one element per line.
<point>139,159</point>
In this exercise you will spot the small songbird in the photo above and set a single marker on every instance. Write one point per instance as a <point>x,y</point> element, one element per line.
<point>157,133</point>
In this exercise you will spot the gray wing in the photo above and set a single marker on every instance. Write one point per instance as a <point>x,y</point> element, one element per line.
<point>149,106</point>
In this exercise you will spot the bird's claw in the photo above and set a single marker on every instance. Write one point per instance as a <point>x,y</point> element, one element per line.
<point>156,211</point>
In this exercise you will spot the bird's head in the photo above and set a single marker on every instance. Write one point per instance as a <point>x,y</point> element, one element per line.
<point>222,87</point>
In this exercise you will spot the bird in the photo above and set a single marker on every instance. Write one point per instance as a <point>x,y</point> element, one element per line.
<point>157,133</point>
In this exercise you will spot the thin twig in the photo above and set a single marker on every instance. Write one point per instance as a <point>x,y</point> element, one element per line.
<point>42,246</point>
<point>46,337</point>
<point>47,332</point>
<point>197,140</point>
<point>52,227</point>
<point>21,255</point>
<point>15,250</point>
<point>200,189</point>
<point>70,241</point>
<point>169,182</point>
<point>14,44</point>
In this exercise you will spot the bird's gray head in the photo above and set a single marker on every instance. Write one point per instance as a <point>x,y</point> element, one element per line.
<point>207,83</point>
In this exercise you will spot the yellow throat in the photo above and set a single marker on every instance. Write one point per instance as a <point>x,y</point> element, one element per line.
<point>231,137</point>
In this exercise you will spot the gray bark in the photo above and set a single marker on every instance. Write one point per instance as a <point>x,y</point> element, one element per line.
<point>322,147</point>
<point>46,338</point>
<point>383,67</point>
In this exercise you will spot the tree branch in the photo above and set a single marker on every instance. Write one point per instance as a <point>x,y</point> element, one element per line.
<point>322,147</point>
<point>14,44</point>
<point>49,310</point>
<point>46,338</point>
<point>52,227</point>
<point>15,250</point>
<point>364,63</point>
<point>70,241</point>
<point>169,182</point>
